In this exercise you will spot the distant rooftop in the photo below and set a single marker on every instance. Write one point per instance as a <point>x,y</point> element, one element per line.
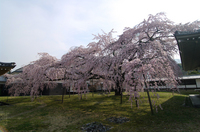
<point>5,67</point>
<point>19,70</point>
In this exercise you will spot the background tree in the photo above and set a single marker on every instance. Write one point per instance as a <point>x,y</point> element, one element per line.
<point>35,77</point>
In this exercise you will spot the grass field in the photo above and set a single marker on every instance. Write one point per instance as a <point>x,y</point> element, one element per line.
<point>47,113</point>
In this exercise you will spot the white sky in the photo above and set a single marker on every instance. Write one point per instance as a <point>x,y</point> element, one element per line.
<point>28,27</point>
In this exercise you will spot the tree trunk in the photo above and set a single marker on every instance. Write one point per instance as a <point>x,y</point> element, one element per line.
<point>69,92</point>
<point>121,96</point>
<point>150,101</point>
<point>119,91</point>
<point>148,94</point>
<point>64,91</point>
<point>92,93</point>
<point>73,91</point>
<point>92,88</point>
<point>136,101</point>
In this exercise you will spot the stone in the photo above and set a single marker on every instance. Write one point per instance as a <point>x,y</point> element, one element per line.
<point>95,127</point>
<point>119,120</point>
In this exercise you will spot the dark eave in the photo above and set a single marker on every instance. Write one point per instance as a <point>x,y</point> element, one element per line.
<point>189,48</point>
<point>5,67</point>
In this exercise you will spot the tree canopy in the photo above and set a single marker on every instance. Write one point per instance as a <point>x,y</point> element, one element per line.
<point>139,55</point>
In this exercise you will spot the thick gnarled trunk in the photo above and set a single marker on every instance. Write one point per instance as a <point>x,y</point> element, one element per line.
<point>118,91</point>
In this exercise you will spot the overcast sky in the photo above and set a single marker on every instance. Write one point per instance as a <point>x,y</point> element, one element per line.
<point>28,27</point>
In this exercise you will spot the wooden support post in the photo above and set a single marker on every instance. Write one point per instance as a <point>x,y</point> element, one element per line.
<point>64,91</point>
<point>69,91</point>
<point>150,101</point>
<point>148,95</point>
<point>121,94</point>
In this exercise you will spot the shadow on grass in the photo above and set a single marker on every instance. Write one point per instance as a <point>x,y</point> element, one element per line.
<point>176,116</point>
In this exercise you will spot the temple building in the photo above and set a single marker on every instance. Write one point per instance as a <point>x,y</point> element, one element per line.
<point>189,48</point>
<point>4,68</point>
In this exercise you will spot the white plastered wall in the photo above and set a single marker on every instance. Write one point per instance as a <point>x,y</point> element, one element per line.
<point>198,82</point>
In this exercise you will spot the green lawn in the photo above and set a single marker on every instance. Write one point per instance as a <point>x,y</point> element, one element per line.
<point>47,113</point>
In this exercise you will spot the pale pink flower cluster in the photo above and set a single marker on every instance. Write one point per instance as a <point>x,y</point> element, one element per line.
<point>140,55</point>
